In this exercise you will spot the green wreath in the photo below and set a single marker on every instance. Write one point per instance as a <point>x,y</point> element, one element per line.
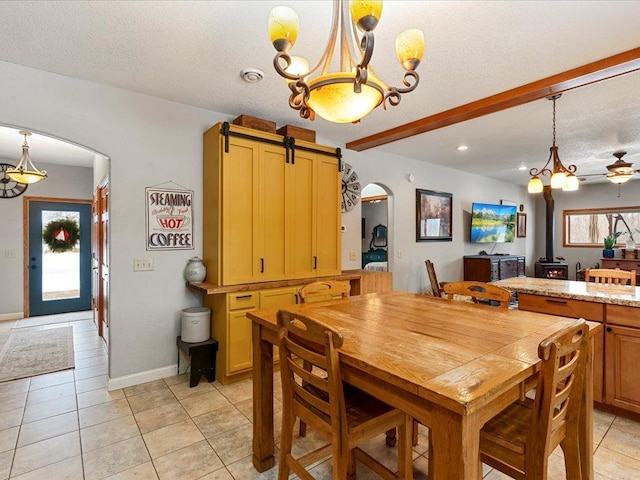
<point>61,235</point>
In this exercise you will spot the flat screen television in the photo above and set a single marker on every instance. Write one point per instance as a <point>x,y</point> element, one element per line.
<point>493,223</point>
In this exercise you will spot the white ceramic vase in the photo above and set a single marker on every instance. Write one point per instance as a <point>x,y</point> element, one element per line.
<point>195,270</point>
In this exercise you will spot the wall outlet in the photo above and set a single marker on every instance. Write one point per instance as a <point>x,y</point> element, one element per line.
<point>343,228</point>
<point>142,264</point>
<point>9,254</point>
<point>352,256</point>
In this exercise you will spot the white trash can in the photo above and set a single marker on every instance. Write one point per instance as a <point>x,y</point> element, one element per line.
<point>196,324</point>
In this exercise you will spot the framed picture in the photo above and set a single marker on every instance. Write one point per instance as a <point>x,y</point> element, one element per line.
<point>521,225</point>
<point>433,216</point>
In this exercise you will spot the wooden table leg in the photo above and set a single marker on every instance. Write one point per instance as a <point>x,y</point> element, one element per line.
<point>263,446</point>
<point>455,443</point>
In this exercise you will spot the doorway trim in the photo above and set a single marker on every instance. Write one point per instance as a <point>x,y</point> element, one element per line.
<point>25,244</point>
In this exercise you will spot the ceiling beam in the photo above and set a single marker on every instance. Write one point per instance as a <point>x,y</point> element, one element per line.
<point>603,69</point>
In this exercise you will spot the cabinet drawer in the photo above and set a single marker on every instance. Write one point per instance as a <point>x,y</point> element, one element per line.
<point>564,307</point>
<point>621,264</point>
<point>621,315</point>
<point>238,301</point>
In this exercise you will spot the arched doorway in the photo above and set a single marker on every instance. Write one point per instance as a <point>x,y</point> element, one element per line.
<point>377,238</point>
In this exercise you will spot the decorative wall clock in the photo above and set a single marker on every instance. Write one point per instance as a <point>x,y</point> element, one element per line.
<point>10,188</point>
<point>350,188</point>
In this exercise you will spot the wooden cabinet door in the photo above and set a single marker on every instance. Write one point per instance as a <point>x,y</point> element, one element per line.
<point>622,357</point>
<point>275,298</point>
<point>240,225</point>
<point>302,215</point>
<point>329,217</point>
<point>272,214</point>
<point>238,342</point>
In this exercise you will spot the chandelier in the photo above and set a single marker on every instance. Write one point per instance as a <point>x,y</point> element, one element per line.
<point>25,172</point>
<point>354,91</point>
<point>561,176</point>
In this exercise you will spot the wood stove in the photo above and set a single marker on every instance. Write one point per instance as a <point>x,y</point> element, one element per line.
<point>547,267</point>
<point>553,270</point>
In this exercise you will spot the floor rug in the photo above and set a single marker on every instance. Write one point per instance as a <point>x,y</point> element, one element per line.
<point>50,319</point>
<point>34,352</point>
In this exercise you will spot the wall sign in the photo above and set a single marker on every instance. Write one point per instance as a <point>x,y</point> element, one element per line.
<point>169,219</point>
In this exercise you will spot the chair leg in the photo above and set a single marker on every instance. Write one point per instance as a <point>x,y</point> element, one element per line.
<point>286,441</point>
<point>303,429</point>
<point>391,439</point>
<point>414,433</point>
<point>351,466</point>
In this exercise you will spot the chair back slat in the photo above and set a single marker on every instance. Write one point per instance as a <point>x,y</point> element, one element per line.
<point>311,372</point>
<point>560,384</point>
<point>323,291</point>
<point>478,290</point>
<point>610,275</point>
<point>436,289</point>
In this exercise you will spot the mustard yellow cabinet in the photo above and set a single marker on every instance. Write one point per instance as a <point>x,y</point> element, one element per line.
<point>270,212</point>
<point>231,327</point>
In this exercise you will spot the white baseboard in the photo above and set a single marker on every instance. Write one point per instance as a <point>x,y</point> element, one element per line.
<point>141,377</point>
<point>5,317</point>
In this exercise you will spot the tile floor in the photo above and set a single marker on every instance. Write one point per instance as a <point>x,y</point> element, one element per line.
<point>66,425</point>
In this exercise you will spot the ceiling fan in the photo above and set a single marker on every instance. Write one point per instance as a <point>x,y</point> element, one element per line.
<point>619,171</point>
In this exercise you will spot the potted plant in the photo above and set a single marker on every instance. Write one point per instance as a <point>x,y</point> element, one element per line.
<point>609,243</point>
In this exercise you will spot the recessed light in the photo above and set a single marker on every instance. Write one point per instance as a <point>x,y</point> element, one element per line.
<point>522,167</point>
<point>462,148</point>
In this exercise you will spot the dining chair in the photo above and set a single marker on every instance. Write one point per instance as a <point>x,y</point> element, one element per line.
<point>324,290</point>
<point>318,398</point>
<point>478,290</point>
<point>436,288</point>
<point>610,275</point>
<point>318,292</point>
<point>519,440</point>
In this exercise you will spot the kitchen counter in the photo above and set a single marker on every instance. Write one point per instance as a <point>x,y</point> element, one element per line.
<point>362,281</point>
<point>591,292</point>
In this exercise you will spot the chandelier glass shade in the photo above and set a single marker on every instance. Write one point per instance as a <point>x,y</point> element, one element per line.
<point>25,171</point>
<point>560,176</point>
<point>354,90</point>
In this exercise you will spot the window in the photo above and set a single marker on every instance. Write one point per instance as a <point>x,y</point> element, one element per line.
<point>588,227</point>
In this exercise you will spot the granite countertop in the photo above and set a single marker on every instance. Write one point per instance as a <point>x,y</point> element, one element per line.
<point>591,292</point>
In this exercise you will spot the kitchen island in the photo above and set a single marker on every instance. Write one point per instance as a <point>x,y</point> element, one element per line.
<point>617,349</point>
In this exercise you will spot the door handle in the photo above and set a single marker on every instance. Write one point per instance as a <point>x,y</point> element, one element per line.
<point>315,262</point>
<point>33,267</point>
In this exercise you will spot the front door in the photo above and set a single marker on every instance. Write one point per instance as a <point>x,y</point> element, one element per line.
<point>59,269</point>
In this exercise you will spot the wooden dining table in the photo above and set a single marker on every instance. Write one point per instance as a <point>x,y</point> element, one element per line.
<point>451,365</point>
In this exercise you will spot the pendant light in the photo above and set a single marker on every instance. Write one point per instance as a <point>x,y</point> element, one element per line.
<point>26,172</point>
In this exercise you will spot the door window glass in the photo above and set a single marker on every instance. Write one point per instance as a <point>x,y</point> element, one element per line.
<point>60,255</point>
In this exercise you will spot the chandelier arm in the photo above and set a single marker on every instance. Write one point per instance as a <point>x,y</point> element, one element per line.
<point>544,170</point>
<point>327,55</point>
<point>361,70</point>
<point>394,95</point>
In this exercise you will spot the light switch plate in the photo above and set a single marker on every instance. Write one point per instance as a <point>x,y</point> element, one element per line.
<point>142,264</point>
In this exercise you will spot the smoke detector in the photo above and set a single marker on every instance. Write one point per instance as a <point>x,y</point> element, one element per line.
<point>252,75</point>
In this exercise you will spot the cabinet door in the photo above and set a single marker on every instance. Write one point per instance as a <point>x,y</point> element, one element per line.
<point>329,216</point>
<point>239,342</point>
<point>508,268</point>
<point>240,248</point>
<point>622,357</point>
<point>272,213</point>
<point>521,268</point>
<point>302,211</point>
<point>278,297</point>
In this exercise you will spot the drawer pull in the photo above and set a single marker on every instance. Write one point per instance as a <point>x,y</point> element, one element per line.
<point>243,297</point>
<point>556,302</point>
<point>609,329</point>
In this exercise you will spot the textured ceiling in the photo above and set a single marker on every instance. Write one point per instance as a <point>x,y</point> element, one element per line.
<point>192,52</point>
